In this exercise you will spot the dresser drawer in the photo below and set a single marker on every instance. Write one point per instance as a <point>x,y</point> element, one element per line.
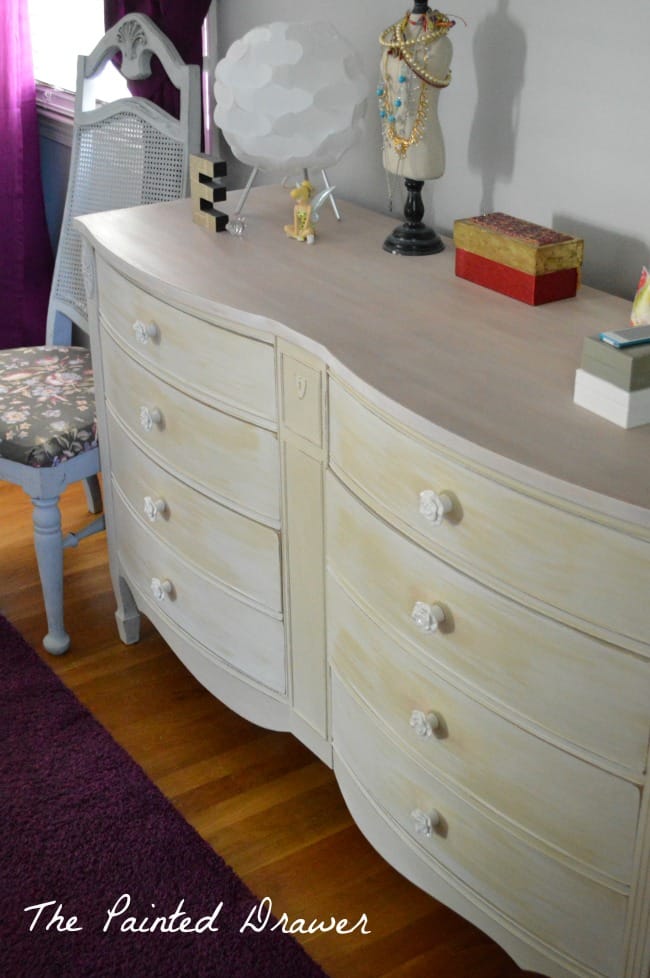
<point>232,460</point>
<point>302,389</point>
<point>508,538</point>
<point>244,637</point>
<point>559,679</point>
<point>239,552</point>
<point>217,365</point>
<point>543,895</point>
<point>569,804</point>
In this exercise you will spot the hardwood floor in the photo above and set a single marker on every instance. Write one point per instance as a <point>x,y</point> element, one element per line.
<point>260,799</point>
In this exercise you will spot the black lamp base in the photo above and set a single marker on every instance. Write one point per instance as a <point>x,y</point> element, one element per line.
<point>413,237</point>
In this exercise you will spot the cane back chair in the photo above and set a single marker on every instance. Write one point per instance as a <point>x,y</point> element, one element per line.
<point>124,153</point>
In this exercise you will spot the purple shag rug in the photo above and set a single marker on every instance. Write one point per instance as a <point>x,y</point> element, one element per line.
<point>87,835</point>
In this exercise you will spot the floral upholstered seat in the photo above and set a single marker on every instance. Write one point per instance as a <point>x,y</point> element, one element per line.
<point>47,404</point>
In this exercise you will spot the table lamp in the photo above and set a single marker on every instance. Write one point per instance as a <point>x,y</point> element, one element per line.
<point>290,96</point>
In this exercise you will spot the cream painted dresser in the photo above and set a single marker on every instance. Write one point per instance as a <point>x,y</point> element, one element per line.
<point>354,495</point>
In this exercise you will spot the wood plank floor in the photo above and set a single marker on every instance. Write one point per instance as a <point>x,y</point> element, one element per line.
<point>259,798</point>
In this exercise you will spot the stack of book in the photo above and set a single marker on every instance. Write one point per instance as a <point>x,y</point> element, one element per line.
<point>615,382</point>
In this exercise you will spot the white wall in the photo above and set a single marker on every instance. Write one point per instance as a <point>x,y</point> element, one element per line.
<point>547,117</point>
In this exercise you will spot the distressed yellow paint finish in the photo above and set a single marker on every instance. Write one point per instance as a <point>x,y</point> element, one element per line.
<point>230,459</point>
<point>302,396</point>
<point>566,805</point>
<point>500,650</point>
<point>230,630</point>
<point>306,585</point>
<point>220,366</point>
<point>544,895</point>
<point>302,382</point>
<point>539,674</point>
<point>241,553</point>
<point>513,541</point>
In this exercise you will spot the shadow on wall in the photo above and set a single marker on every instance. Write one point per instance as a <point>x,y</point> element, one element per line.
<point>499,59</point>
<point>613,262</point>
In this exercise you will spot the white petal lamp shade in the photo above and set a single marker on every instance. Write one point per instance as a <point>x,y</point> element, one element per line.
<point>291,96</point>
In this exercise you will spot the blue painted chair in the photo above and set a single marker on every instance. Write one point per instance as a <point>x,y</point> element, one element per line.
<point>124,153</point>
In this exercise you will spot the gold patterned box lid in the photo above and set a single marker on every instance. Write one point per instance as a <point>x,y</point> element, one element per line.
<point>519,244</point>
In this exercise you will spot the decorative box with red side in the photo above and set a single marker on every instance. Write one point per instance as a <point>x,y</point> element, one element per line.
<point>523,260</point>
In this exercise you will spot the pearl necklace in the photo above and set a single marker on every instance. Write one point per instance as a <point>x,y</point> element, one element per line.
<point>436,25</point>
<point>426,77</point>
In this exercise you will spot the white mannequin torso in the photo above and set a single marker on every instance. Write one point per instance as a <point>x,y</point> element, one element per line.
<point>424,159</point>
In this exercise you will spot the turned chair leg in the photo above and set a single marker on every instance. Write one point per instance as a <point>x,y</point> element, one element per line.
<point>48,541</point>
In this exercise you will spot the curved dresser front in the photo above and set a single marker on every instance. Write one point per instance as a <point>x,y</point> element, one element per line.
<point>354,495</point>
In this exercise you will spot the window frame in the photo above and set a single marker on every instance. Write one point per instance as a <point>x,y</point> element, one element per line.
<point>55,106</point>
<point>55,111</point>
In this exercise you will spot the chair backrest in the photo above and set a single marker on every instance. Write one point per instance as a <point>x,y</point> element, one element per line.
<point>124,153</point>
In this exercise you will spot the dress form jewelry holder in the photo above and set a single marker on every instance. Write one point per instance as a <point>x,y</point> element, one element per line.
<point>414,68</point>
<point>413,237</point>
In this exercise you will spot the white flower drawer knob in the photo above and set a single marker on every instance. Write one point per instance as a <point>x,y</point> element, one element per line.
<point>427,617</point>
<point>154,509</point>
<point>435,507</point>
<point>424,823</point>
<point>150,417</point>
<point>144,332</point>
<point>161,590</point>
<point>423,724</point>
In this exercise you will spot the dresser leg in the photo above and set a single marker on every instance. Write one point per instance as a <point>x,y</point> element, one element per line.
<point>127,615</point>
<point>93,494</point>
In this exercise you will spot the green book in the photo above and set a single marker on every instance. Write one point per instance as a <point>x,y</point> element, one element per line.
<point>628,368</point>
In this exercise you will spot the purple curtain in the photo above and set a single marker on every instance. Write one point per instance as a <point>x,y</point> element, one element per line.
<point>181,21</point>
<point>25,251</point>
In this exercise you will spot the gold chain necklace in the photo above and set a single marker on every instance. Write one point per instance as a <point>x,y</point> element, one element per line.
<point>401,144</point>
<point>393,38</point>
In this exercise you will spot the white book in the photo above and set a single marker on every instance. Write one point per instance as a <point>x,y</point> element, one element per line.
<point>628,409</point>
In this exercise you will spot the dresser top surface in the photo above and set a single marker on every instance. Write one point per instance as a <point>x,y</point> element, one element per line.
<point>485,374</point>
